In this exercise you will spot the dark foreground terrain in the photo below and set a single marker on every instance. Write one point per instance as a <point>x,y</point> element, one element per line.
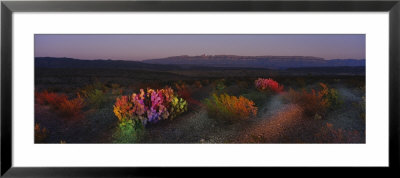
<point>278,119</point>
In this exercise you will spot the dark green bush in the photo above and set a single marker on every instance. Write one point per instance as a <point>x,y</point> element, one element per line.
<point>128,131</point>
<point>258,98</point>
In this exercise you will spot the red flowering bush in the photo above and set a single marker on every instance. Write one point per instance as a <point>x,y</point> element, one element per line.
<point>60,103</point>
<point>50,98</point>
<point>263,84</point>
<point>72,107</point>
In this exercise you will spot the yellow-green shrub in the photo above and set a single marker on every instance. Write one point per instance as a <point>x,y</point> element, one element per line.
<point>331,96</point>
<point>128,131</point>
<point>178,106</point>
<point>94,94</point>
<point>230,107</point>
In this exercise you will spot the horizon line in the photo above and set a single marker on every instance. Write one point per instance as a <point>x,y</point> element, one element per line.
<point>199,56</point>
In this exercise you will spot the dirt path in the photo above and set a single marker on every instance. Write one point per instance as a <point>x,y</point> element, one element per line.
<point>197,127</point>
<point>274,105</point>
<point>273,125</point>
<point>283,123</point>
<point>229,134</point>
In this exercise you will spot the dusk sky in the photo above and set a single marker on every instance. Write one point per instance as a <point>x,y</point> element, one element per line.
<point>140,47</point>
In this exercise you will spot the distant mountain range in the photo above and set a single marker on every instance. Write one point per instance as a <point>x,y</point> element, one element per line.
<point>53,62</point>
<point>271,62</point>
<point>201,62</point>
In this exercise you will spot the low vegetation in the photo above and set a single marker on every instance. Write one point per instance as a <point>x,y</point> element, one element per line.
<point>330,134</point>
<point>315,103</point>
<point>268,84</point>
<point>230,107</point>
<point>133,109</point>
<point>136,110</point>
<point>61,104</point>
<point>40,134</point>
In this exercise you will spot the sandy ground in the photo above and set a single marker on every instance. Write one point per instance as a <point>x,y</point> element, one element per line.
<point>278,122</point>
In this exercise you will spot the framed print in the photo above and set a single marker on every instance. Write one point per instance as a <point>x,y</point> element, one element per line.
<point>134,88</point>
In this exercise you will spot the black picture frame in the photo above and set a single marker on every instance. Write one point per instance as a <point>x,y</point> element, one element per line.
<point>8,7</point>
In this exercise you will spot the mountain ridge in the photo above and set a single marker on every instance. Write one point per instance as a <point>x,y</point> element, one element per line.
<point>199,62</point>
<point>272,62</point>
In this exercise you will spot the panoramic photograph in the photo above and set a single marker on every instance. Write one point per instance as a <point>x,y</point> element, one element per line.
<point>199,88</point>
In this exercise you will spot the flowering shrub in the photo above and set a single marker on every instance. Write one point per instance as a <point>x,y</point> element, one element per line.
<point>152,106</point>
<point>50,98</point>
<point>178,106</point>
<point>263,84</point>
<point>312,103</point>
<point>156,108</point>
<point>126,107</point>
<point>61,103</point>
<point>72,107</point>
<point>134,111</point>
<point>315,103</point>
<point>230,107</point>
<point>40,134</point>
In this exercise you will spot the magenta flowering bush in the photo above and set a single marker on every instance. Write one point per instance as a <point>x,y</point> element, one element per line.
<point>157,109</point>
<point>152,106</point>
<point>268,84</point>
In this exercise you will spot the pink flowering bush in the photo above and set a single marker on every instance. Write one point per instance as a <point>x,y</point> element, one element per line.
<point>263,84</point>
<point>149,106</point>
<point>134,111</point>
